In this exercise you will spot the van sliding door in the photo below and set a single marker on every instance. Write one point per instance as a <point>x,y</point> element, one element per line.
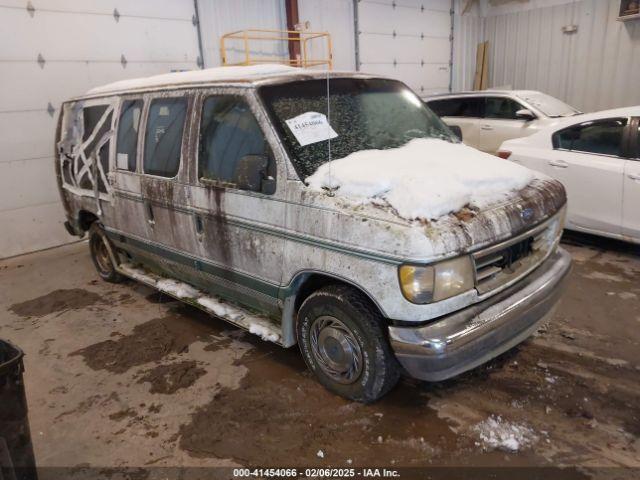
<point>126,173</point>
<point>164,190</point>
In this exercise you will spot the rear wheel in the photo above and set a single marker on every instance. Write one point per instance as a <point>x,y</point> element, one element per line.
<point>343,341</point>
<point>100,249</point>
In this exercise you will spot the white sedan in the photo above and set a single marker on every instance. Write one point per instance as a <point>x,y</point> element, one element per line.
<point>489,117</point>
<point>597,158</point>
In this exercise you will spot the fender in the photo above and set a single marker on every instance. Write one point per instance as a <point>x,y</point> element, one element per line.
<point>289,297</point>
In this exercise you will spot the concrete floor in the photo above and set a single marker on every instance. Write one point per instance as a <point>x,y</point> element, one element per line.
<point>118,376</point>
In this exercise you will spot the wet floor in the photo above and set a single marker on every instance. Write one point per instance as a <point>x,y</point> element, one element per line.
<point>120,376</point>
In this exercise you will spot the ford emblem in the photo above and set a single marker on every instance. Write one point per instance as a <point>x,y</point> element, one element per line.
<point>526,214</point>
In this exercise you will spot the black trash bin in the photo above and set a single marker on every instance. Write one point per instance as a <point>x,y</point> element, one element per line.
<point>16,451</point>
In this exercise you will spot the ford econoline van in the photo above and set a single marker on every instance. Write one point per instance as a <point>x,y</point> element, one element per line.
<point>334,211</point>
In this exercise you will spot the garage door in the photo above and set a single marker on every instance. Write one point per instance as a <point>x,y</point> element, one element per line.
<point>408,40</point>
<point>54,50</point>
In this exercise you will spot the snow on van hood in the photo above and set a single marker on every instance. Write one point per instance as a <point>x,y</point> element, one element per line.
<point>424,179</point>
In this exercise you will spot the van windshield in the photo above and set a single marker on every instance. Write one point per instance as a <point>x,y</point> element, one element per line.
<point>363,114</point>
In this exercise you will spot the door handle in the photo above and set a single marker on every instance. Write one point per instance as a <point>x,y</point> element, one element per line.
<point>558,163</point>
<point>151,219</point>
<point>486,127</point>
<point>197,220</point>
<point>634,176</point>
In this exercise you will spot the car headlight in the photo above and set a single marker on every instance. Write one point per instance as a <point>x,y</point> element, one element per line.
<point>432,283</point>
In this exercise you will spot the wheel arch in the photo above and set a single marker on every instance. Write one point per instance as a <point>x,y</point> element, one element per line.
<point>85,219</point>
<point>303,284</point>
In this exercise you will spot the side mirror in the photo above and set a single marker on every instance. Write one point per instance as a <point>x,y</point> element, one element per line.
<point>525,114</point>
<point>251,174</point>
<point>457,131</point>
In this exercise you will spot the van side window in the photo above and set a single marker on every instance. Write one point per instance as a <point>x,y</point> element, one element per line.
<point>90,117</point>
<point>94,133</point>
<point>163,136</point>
<point>127,141</point>
<point>601,137</point>
<point>501,108</point>
<point>456,107</point>
<point>229,133</point>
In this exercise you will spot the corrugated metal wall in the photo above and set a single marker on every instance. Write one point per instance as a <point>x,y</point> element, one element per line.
<point>596,68</point>
<point>49,53</point>
<point>218,17</point>
<point>468,31</point>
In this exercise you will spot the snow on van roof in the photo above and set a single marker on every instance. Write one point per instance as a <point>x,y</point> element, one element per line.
<point>217,74</point>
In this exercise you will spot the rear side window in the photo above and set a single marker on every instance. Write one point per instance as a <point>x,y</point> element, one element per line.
<point>602,137</point>
<point>501,108</point>
<point>228,132</point>
<point>127,141</point>
<point>96,126</point>
<point>457,107</point>
<point>91,117</point>
<point>163,136</point>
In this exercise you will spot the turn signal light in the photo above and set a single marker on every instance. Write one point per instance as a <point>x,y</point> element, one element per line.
<point>504,154</point>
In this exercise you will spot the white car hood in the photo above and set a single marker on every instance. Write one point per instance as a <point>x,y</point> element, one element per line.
<point>423,180</point>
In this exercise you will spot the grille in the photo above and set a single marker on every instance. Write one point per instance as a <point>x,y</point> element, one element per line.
<point>506,262</point>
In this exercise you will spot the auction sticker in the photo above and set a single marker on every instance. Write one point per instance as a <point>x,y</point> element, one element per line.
<point>311,127</point>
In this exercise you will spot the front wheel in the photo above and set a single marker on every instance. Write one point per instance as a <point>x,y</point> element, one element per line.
<point>100,254</point>
<point>343,342</point>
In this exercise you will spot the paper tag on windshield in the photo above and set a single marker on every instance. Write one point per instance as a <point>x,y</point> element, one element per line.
<point>311,127</point>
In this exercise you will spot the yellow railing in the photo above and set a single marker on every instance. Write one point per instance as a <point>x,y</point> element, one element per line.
<point>292,37</point>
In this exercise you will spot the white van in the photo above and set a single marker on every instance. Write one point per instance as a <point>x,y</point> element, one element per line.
<point>330,210</point>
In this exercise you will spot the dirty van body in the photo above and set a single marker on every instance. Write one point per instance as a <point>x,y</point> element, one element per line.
<point>193,183</point>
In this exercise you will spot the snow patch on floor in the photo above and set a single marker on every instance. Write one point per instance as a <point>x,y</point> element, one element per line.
<point>495,433</point>
<point>425,179</point>
<point>627,295</point>
<point>607,277</point>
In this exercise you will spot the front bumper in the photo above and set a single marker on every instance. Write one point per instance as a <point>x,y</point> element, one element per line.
<point>470,337</point>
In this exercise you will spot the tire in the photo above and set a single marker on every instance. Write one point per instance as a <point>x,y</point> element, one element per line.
<point>99,246</point>
<point>343,341</point>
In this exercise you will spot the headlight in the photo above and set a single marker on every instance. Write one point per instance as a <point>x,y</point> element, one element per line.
<point>417,283</point>
<point>431,283</point>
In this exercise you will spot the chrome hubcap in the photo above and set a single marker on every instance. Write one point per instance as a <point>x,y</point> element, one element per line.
<point>336,350</point>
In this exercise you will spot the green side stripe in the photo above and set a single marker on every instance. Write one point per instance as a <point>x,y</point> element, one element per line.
<point>198,264</point>
<point>392,260</point>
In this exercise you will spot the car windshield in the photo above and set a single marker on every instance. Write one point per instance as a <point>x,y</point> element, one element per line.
<point>550,106</point>
<point>363,114</point>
